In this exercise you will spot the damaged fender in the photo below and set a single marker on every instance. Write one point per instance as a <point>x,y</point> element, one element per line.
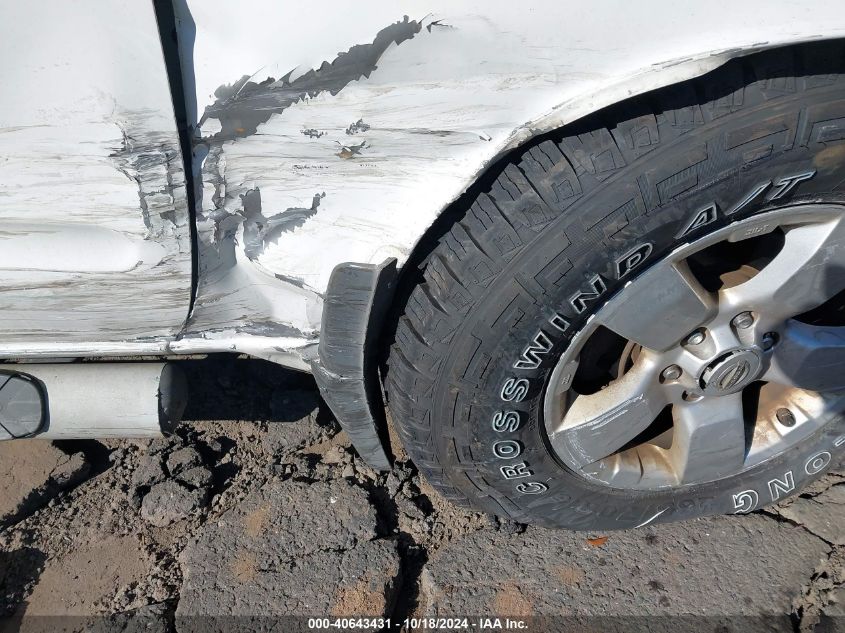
<point>310,157</point>
<point>346,147</point>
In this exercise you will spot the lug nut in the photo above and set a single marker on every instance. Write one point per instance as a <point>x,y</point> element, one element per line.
<point>696,338</point>
<point>769,340</point>
<point>743,320</point>
<point>672,372</point>
<point>785,417</point>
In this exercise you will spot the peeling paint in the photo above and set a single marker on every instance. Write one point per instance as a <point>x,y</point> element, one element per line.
<point>236,225</point>
<point>348,151</point>
<point>260,230</point>
<point>95,245</point>
<point>244,105</point>
<point>357,127</point>
<point>94,240</point>
<point>153,162</point>
<point>399,125</point>
<point>438,24</point>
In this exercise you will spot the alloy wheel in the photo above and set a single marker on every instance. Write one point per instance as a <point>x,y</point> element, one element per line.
<point>721,355</point>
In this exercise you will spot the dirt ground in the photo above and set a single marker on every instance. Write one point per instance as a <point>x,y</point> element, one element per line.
<point>258,509</point>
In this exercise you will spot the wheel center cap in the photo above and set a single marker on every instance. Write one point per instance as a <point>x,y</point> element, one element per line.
<point>731,372</point>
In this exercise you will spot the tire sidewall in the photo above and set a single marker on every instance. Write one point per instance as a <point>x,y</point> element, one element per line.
<point>504,434</point>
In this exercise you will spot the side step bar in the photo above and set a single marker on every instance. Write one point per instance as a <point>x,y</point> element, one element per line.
<point>90,400</point>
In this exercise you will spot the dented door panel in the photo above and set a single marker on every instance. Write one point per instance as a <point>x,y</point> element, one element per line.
<point>321,135</point>
<point>95,244</point>
<point>328,134</point>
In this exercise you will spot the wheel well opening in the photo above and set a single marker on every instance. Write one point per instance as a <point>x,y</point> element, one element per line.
<point>720,82</point>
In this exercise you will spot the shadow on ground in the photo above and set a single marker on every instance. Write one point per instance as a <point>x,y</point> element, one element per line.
<point>19,568</point>
<point>227,387</point>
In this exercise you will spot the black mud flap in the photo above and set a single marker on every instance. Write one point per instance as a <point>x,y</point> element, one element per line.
<point>354,307</point>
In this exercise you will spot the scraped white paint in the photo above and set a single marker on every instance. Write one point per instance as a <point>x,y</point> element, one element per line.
<point>292,352</point>
<point>86,123</point>
<point>90,97</point>
<point>478,79</point>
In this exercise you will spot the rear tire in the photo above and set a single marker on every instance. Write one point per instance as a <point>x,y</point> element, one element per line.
<point>566,223</point>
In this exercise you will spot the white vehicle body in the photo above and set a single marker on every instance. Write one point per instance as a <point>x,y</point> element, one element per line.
<point>358,128</point>
<point>95,245</point>
<point>184,177</point>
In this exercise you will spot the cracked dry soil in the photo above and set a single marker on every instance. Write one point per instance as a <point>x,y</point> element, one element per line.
<point>258,507</point>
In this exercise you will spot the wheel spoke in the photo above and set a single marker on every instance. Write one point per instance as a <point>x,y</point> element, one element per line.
<point>709,439</point>
<point>669,304</point>
<point>809,357</point>
<point>803,275</point>
<point>599,424</point>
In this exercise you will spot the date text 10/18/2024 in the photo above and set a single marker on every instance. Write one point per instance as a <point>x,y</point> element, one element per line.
<point>431,624</point>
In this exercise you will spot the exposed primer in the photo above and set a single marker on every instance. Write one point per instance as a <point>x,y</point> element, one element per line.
<point>244,105</point>
<point>295,281</point>
<point>428,131</point>
<point>348,151</point>
<point>274,330</point>
<point>224,221</point>
<point>438,24</point>
<point>260,230</point>
<point>239,110</point>
<point>357,127</point>
<point>152,161</point>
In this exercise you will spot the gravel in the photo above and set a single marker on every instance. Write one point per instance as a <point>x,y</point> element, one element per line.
<point>262,557</point>
<point>661,570</point>
<point>31,473</point>
<point>170,501</point>
<point>234,524</point>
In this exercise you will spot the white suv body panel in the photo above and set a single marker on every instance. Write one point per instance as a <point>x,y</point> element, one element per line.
<point>359,127</point>
<point>95,244</point>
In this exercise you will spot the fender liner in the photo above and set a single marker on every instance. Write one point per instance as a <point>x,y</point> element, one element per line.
<point>354,308</point>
